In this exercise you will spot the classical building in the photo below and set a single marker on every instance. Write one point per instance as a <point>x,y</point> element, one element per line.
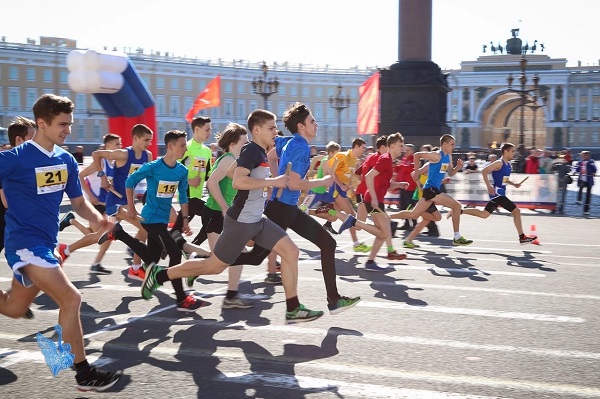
<point>481,110</point>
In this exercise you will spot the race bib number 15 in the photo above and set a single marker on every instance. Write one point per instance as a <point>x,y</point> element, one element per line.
<point>166,189</point>
<point>50,179</point>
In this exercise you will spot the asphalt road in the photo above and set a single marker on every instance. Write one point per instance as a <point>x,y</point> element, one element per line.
<point>491,320</point>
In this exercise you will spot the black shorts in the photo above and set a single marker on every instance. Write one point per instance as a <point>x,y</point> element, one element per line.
<point>359,198</point>
<point>502,201</point>
<point>430,193</point>
<point>212,220</point>
<point>100,208</point>
<point>370,208</point>
<point>432,208</point>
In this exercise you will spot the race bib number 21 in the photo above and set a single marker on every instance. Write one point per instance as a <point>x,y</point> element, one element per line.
<point>50,179</point>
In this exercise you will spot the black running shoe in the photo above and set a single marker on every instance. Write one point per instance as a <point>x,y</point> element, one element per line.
<point>97,380</point>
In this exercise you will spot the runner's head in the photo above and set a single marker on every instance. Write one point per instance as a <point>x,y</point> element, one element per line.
<point>142,137</point>
<point>20,130</point>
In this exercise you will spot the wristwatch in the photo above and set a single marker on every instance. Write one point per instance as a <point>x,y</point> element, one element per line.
<point>101,173</point>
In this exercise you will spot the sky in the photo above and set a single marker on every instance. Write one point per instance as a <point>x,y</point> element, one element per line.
<point>338,33</point>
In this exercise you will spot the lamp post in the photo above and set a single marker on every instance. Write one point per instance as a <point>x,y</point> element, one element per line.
<point>263,86</point>
<point>339,103</point>
<point>528,98</point>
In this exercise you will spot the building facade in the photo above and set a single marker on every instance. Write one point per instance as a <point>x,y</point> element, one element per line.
<point>482,112</point>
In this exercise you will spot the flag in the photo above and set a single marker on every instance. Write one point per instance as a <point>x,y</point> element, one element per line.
<point>208,98</point>
<point>368,106</point>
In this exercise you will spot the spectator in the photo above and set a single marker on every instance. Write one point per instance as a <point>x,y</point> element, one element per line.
<point>545,162</point>
<point>471,166</point>
<point>78,154</point>
<point>491,158</point>
<point>532,163</point>
<point>586,168</point>
<point>562,168</point>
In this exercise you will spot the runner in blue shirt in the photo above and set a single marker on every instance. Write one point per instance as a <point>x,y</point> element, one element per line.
<point>35,175</point>
<point>500,170</point>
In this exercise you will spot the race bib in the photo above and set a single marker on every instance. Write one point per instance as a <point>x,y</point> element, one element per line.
<point>505,180</point>
<point>444,167</point>
<point>50,179</point>
<point>134,167</point>
<point>166,189</point>
<point>199,164</point>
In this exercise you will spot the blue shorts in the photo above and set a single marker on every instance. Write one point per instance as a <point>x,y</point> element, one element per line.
<point>113,209</point>
<point>336,188</point>
<point>38,255</point>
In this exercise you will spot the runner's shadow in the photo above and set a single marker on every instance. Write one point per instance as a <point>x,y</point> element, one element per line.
<point>442,265</point>
<point>527,260</point>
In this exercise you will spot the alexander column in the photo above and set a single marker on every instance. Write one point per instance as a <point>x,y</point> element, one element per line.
<point>414,89</point>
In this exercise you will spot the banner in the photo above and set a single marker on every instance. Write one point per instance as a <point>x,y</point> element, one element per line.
<point>208,98</point>
<point>368,106</point>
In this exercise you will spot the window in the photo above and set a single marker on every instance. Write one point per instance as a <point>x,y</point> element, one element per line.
<point>583,112</point>
<point>241,87</point>
<point>201,85</point>
<point>318,111</point>
<point>188,84</point>
<point>594,137</point>
<point>81,131</point>
<point>241,109</point>
<point>596,111</point>
<point>14,98</point>
<point>228,87</point>
<point>64,77</point>
<point>95,104</point>
<point>281,90</point>
<point>318,92</point>
<point>32,95</point>
<point>160,83</point>
<point>47,76</point>
<point>571,112</point>
<point>64,93</point>
<point>228,108</point>
<point>330,92</point>
<point>13,73</point>
<point>582,137</point>
<point>280,108</point>
<point>160,105</point>
<point>571,92</point>
<point>353,112</point>
<point>293,91</point>
<point>353,92</point>
<point>253,105</point>
<point>596,90</point>
<point>96,132</point>
<point>305,92</point>
<point>174,84</point>
<point>330,114</point>
<point>80,102</point>
<point>187,103</point>
<point>174,106</point>
<point>571,137</point>
<point>31,74</point>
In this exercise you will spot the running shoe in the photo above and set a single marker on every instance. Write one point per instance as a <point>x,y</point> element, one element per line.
<point>346,224</point>
<point>236,303</point>
<point>190,304</point>
<point>110,235</point>
<point>362,247</point>
<point>189,281</point>
<point>61,251</point>
<point>410,245</point>
<point>138,274</point>
<point>273,278</point>
<point>462,241</point>
<point>327,226</point>
<point>97,380</point>
<point>395,256</point>
<point>371,266</point>
<point>66,221</point>
<point>97,268</point>
<point>527,239</point>
<point>301,314</point>
<point>150,284</point>
<point>343,303</point>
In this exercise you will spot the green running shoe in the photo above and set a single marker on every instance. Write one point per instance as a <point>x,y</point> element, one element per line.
<point>343,303</point>
<point>150,284</point>
<point>462,241</point>
<point>410,245</point>
<point>301,314</point>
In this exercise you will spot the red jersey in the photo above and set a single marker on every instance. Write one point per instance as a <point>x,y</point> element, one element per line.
<point>403,171</point>
<point>385,167</point>
<point>366,166</point>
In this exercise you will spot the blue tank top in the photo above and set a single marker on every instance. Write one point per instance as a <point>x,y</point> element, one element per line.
<point>437,171</point>
<point>121,174</point>
<point>500,177</point>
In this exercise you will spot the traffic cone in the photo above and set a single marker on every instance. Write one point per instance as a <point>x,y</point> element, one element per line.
<point>533,233</point>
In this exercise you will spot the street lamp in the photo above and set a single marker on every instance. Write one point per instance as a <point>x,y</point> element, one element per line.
<point>339,103</point>
<point>528,98</point>
<point>263,86</point>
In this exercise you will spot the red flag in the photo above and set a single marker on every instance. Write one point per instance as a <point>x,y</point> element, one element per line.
<point>208,98</point>
<point>368,106</point>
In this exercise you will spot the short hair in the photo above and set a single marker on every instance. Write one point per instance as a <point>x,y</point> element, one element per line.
<point>409,147</point>
<point>297,113</point>
<point>231,135</point>
<point>507,147</point>
<point>49,106</point>
<point>259,117</point>
<point>332,146</point>
<point>446,138</point>
<point>395,138</point>
<point>428,147</point>
<point>200,121</point>
<point>19,127</point>
<point>174,135</point>
<point>357,142</point>
<point>140,130</point>
<point>381,141</point>
<point>110,137</point>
